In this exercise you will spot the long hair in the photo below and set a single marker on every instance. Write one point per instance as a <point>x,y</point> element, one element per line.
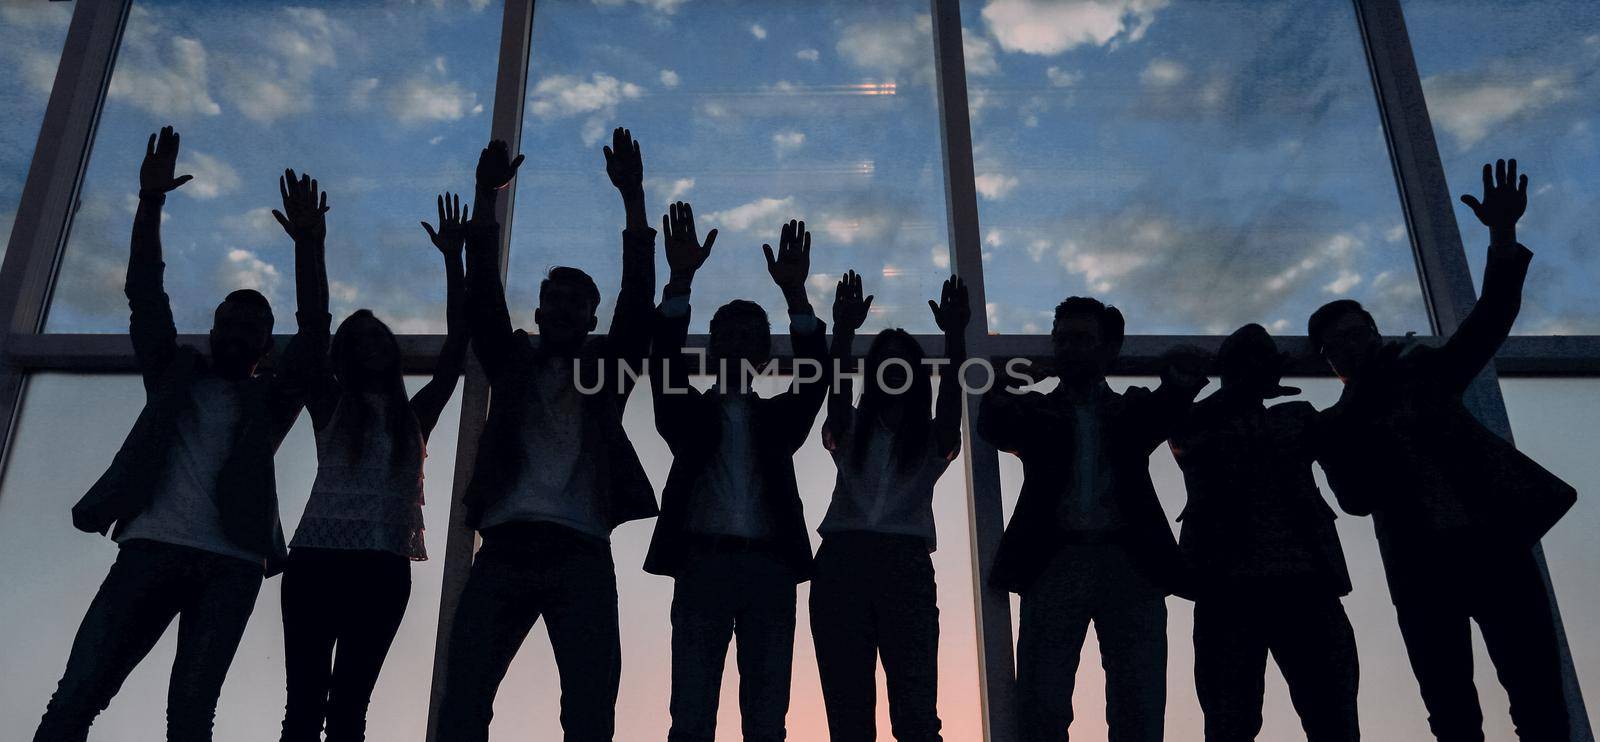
<point>405,433</point>
<point>911,434</point>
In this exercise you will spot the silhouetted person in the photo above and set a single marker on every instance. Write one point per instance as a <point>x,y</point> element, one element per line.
<point>1267,566</point>
<point>555,472</point>
<point>1457,509</point>
<point>348,579</point>
<point>1088,540</point>
<point>732,532</point>
<point>190,496</point>
<point>873,592</point>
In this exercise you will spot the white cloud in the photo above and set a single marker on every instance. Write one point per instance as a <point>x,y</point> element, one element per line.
<point>212,176</point>
<point>941,257</point>
<point>889,48</point>
<point>1395,233</point>
<point>170,83</point>
<point>994,186</point>
<point>787,141</point>
<point>569,95</point>
<point>978,54</point>
<point>1342,283</point>
<point>758,31</point>
<point>670,191</point>
<point>1470,106</point>
<point>420,100</point>
<point>254,225</point>
<point>36,16</point>
<point>1163,73</point>
<point>808,55</point>
<point>1063,78</point>
<point>661,6</point>
<point>1049,27</point>
<point>275,80</point>
<point>243,269</point>
<point>669,78</point>
<point>762,213</point>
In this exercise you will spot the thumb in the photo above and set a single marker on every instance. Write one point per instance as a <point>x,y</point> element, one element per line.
<point>283,221</point>
<point>1471,201</point>
<point>432,235</point>
<point>934,306</point>
<point>516,163</point>
<point>710,238</point>
<point>181,179</point>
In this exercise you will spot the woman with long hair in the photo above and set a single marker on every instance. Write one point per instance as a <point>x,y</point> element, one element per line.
<point>349,578</point>
<point>872,594</point>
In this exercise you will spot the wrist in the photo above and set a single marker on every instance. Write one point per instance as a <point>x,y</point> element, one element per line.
<point>153,195</point>
<point>1503,235</point>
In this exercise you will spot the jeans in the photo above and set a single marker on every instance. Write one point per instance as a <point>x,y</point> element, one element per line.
<point>1099,583</point>
<point>873,597</point>
<point>719,597</point>
<point>345,600</point>
<point>523,572</point>
<point>1506,595</point>
<point>1310,638</point>
<point>149,584</point>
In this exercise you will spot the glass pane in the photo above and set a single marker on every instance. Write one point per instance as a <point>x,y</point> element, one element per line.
<point>69,428</point>
<point>384,101</point>
<point>528,705</point>
<point>1200,164</point>
<point>822,111</point>
<point>31,32</point>
<point>1390,703</point>
<point>1517,79</point>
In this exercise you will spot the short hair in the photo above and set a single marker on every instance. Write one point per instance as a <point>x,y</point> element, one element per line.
<point>1327,314</point>
<point>1112,325</point>
<point>739,309</point>
<point>574,277</point>
<point>251,298</point>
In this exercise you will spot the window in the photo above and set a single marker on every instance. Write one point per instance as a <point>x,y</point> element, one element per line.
<point>1518,79</point>
<point>822,111</point>
<point>1201,165</point>
<point>384,102</point>
<point>31,32</point>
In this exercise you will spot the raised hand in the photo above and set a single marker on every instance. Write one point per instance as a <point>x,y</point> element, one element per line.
<point>623,162</point>
<point>792,263</point>
<point>1185,367</point>
<point>952,312</point>
<point>160,161</point>
<point>849,309</point>
<point>1505,198</point>
<point>451,236</point>
<point>685,254</point>
<point>304,207</point>
<point>495,166</point>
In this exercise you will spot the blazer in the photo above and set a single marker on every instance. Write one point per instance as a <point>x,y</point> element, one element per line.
<point>691,425</point>
<point>1038,428</point>
<point>247,495</point>
<point>608,365</point>
<point>1401,435</point>
<point>1236,456</point>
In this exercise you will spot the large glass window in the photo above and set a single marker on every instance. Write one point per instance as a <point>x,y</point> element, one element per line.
<point>1200,164</point>
<point>1522,79</point>
<point>384,101</point>
<point>52,572</point>
<point>31,32</point>
<point>822,111</point>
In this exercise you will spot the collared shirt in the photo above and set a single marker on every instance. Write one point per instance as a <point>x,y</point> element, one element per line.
<point>1087,504</point>
<point>184,509</point>
<point>728,498</point>
<point>556,482</point>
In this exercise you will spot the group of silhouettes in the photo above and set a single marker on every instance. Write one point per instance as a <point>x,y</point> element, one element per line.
<point>190,498</point>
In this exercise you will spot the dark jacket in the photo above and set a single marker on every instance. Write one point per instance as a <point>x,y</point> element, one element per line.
<point>247,495</point>
<point>510,362</point>
<point>1244,463</point>
<point>691,425</point>
<point>1038,428</point>
<point>1401,436</point>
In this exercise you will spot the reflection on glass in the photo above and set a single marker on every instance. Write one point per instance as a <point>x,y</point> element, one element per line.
<point>822,111</point>
<point>69,428</point>
<point>384,101</point>
<point>1522,79</point>
<point>31,32</point>
<point>1200,164</point>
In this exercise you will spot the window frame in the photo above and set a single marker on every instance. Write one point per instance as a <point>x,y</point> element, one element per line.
<point>66,135</point>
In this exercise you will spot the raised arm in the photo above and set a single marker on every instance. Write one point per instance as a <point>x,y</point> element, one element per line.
<point>150,326</point>
<point>669,380</point>
<point>628,340</point>
<point>789,268</point>
<point>451,240</point>
<point>951,313</point>
<point>1473,345</point>
<point>488,319</point>
<point>849,313</point>
<point>1158,413</point>
<point>305,361</point>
